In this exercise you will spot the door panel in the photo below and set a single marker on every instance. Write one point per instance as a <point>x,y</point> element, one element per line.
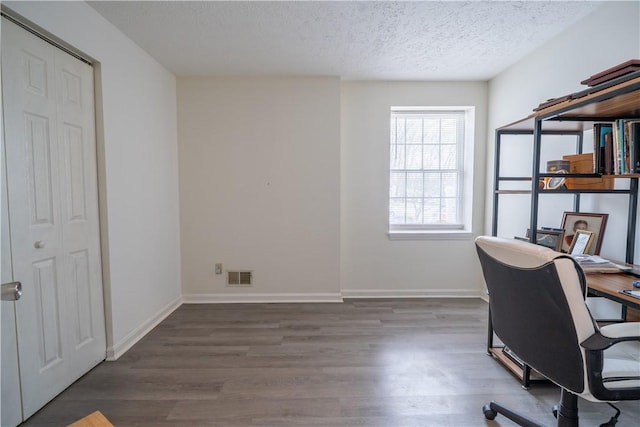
<point>74,157</point>
<point>38,147</point>
<point>53,214</point>
<point>10,378</point>
<point>46,289</point>
<point>81,285</point>
<point>79,213</point>
<point>31,149</point>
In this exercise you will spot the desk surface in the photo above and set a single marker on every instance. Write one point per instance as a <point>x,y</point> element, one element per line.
<point>608,284</point>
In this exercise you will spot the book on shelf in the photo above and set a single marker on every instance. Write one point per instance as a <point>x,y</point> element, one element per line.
<point>632,133</point>
<point>627,144</point>
<point>603,148</point>
<point>616,147</point>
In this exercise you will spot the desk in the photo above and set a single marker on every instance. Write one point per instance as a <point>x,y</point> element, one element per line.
<point>607,285</point>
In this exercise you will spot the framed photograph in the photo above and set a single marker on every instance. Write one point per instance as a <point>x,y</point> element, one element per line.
<point>575,221</point>
<point>581,242</point>
<point>548,238</point>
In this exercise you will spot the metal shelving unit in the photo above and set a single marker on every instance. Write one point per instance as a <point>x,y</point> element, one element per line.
<point>570,117</point>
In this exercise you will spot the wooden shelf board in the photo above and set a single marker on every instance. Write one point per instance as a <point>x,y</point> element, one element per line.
<point>584,191</point>
<point>512,366</point>
<point>579,114</point>
<point>622,105</point>
<point>626,175</point>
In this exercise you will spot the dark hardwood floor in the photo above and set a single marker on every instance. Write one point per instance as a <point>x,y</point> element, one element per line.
<point>404,362</point>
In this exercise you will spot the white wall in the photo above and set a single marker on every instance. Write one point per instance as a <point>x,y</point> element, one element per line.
<point>260,187</point>
<point>138,169</point>
<point>371,264</point>
<point>608,37</point>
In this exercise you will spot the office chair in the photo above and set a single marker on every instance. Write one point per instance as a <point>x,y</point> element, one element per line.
<point>538,310</point>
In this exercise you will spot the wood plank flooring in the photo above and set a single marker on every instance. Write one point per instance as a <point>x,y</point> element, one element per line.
<point>382,362</point>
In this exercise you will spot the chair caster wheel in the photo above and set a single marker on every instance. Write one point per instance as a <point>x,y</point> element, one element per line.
<point>489,413</point>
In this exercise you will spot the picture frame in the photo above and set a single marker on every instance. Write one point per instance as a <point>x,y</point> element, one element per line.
<point>574,221</point>
<point>551,239</point>
<point>581,242</point>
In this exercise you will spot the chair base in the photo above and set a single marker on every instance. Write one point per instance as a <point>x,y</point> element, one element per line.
<point>566,413</point>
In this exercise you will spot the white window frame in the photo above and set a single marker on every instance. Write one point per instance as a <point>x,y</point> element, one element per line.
<point>462,228</point>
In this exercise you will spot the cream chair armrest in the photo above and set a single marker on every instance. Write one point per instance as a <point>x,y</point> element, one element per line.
<point>619,330</point>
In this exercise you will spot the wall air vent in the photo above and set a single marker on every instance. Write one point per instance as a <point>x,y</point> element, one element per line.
<point>239,278</point>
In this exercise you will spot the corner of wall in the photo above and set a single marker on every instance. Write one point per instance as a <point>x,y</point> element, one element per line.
<point>116,350</point>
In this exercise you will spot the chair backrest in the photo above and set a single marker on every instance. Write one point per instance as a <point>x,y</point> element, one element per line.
<point>537,305</point>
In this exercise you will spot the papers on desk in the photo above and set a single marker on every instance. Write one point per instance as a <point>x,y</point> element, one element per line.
<point>597,264</point>
<point>631,293</point>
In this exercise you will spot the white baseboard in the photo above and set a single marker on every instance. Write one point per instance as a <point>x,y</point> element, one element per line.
<point>259,298</point>
<point>327,297</point>
<point>410,293</point>
<point>119,348</point>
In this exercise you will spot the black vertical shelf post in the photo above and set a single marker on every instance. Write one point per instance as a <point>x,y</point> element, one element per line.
<point>496,184</point>
<point>535,180</point>
<point>633,215</point>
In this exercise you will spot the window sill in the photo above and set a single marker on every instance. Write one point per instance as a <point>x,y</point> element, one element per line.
<point>430,235</point>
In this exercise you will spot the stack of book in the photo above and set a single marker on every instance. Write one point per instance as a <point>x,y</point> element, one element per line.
<point>597,264</point>
<point>617,147</point>
<point>609,74</point>
<point>620,73</point>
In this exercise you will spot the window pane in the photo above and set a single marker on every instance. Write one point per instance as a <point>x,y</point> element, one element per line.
<point>414,211</point>
<point>449,133</point>
<point>399,131</point>
<point>449,185</point>
<point>392,131</point>
<point>396,211</point>
<point>414,184</point>
<point>397,156</point>
<point>397,185</point>
<point>431,211</point>
<point>448,155</point>
<point>431,157</point>
<point>414,131</point>
<point>414,156</point>
<point>431,131</point>
<point>449,210</point>
<point>432,185</point>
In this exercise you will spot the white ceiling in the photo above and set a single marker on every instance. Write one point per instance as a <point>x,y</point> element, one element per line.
<point>381,40</point>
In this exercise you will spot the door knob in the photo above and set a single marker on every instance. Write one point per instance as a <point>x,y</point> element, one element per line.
<point>11,291</point>
<point>38,244</point>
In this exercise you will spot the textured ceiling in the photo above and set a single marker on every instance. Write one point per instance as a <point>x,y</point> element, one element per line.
<point>424,40</point>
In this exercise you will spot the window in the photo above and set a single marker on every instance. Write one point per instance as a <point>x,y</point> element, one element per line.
<point>427,170</point>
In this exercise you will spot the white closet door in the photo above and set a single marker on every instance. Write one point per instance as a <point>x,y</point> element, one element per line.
<point>11,400</point>
<point>53,214</point>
